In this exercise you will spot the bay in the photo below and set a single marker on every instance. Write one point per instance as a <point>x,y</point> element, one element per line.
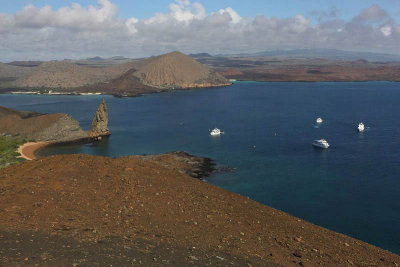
<point>353,187</point>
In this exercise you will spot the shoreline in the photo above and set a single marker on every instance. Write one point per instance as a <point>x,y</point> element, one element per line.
<point>29,151</point>
<point>20,91</point>
<point>307,81</point>
<point>162,90</point>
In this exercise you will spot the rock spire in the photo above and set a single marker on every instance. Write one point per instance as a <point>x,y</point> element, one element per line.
<point>100,122</point>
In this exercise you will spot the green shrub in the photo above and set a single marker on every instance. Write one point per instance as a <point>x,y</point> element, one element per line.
<point>8,153</point>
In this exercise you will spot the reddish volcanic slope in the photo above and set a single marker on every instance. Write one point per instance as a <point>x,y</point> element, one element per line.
<point>145,208</point>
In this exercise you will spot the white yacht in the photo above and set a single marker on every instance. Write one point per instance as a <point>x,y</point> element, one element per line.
<point>215,132</point>
<point>322,143</point>
<point>319,120</point>
<point>361,127</point>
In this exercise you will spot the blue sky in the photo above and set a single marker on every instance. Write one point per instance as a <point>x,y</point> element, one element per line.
<point>277,8</point>
<point>57,29</point>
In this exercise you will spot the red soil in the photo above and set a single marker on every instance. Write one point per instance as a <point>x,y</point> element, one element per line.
<point>90,198</point>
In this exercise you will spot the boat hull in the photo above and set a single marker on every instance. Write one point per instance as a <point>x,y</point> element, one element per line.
<point>317,145</point>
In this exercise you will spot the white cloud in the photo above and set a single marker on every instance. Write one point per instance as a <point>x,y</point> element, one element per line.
<point>75,32</point>
<point>184,11</point>
<point>386,30</point>
<point>130,24</point>
<point>6,23</point>
<point>235,17</point>
<point>73,17</point>
<point>301,23</point>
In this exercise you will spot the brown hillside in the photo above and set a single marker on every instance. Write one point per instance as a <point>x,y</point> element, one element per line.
<point>14,72</point>
<point>230,72</point>
<point>94,200</point>
<point>25,63</point>
<point>177,70</point>
<point>20,114</point>
<point>125,85</point>
<point>64,74</point>
<point>173,70</point>
<point>40,127</point>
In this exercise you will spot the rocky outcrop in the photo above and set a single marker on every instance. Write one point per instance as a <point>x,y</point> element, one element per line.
<point>100,122</point>
<point>64,129</point>
<point>197,167</point>
<point>40,127</point>
<point>55,128</point>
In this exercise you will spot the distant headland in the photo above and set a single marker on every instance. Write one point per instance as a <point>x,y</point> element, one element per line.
<point>171,71</point>
<point>122,76</point>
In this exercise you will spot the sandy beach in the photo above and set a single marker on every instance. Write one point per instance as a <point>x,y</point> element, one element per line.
<point>28,150</point>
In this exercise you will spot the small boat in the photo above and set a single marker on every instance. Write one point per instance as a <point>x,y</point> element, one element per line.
<point>215,132</point>
<point>319,120</point>
<point>361,127</point>
<point>321,143</point>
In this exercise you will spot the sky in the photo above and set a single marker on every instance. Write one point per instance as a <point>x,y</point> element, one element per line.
<point>58,29</point>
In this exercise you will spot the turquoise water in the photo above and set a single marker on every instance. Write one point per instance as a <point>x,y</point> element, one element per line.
<point>353,187</point>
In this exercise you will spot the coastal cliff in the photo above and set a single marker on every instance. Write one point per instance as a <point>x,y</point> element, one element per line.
<point>54,128</point>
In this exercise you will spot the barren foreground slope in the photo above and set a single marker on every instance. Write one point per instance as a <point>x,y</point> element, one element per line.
<point>85,210</point>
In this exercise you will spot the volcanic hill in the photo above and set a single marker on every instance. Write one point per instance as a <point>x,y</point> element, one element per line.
<point>177,70</point>
<point>80,210</point>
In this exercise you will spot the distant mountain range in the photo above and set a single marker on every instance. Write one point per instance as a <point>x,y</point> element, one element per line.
<point>200,55</point>
<point>97,58</point>
<point>328,54</point>
<point>129,77</point>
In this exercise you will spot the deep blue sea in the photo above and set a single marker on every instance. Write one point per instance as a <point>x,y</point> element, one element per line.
<point>353,187</point>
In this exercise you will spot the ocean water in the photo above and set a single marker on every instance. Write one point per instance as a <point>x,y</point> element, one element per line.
<point>353,187</point>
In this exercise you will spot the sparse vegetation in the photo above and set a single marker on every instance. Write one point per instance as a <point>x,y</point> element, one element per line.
<point>66,75</point>
<point>8,147</point>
